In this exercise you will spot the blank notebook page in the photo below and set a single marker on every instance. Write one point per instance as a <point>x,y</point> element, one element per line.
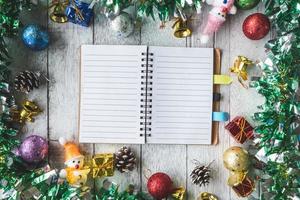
<point>182,95</point>
<point>110,94</point>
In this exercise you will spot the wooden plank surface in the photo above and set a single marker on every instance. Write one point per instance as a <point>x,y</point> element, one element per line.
<point>63,69</point>
<point>60,99</point>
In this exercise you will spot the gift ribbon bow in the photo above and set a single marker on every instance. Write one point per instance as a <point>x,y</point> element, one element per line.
<point>240,68</point>
<point>77,11</point>
<point>102,165</point>
<point>241,123</point>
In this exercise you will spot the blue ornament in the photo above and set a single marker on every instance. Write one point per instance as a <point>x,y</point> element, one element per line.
<point>35,38</point>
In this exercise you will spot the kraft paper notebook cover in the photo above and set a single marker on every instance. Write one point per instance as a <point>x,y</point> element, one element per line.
<point>140,94</point>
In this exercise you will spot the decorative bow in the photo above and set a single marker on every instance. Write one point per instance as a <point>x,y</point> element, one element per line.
<point>78,13</point>
<point>241,123</point>
<point>240,68</point>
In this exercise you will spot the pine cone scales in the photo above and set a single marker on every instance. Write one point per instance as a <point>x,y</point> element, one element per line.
<point>26,81</point>
<point>125,160</point>
<point>201,175</point>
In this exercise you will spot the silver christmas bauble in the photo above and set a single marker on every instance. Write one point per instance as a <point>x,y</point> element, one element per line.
<point>122,25</point>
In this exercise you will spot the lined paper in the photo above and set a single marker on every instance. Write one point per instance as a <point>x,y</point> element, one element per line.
<point>182,95</point>
<point>110,94</point>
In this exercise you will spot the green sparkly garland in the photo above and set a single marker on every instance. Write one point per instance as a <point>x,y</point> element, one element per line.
<point>9,27</point>
<point>14,179</point>
<point>278,118</point>
<point>279,115</point>
<point>165,9</point>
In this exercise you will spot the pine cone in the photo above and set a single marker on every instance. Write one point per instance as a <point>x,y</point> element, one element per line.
<point>201,175</point>
<point>125,160</point>
<point>26,81</point>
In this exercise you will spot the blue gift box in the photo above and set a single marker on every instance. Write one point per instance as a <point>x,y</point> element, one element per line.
<point>79,13</point>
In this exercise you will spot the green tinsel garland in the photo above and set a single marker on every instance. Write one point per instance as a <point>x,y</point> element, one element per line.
<point>279,115</point>
<point>9,27</point>
<point>165,9</point>
<point>14,179</point>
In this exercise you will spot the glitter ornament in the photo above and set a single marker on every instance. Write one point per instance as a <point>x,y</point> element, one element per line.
<point>246,4</point>
<point>236,159</point>
<point>122,25</point>
<point>160,185</point>
<point>256,26</point>
<point>33,150</point>
<point>35,38</point>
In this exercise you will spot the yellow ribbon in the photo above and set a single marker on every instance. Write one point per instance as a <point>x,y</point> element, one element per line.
<point>77,11</point>
<point>222,79</point>
<point>240,68</point>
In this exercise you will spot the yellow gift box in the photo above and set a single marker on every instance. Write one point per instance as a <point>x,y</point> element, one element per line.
<point>102,165</point>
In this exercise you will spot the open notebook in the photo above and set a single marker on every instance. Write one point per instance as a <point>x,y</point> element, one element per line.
<point>138,94</point>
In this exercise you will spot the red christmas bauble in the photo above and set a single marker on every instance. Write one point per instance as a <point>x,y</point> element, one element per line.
<point>256,26</point>
<point>160,185</point>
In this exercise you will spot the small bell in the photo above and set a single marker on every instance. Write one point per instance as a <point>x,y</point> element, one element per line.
<point>179,193</point>
<point>58,12</point>
<point>207,196</point>
<point>29,110</point>
<point>181,29</point>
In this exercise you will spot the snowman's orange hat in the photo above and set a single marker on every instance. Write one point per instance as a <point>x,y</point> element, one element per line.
<point>71,150</point>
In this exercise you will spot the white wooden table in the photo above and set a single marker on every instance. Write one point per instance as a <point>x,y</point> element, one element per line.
<point>59,98</point>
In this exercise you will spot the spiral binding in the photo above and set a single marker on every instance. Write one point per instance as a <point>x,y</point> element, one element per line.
<point>146,94</point>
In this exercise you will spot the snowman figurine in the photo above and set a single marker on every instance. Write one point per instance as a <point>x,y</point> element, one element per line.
<point>217,17</point>
<point>77,178</point>
<point>74,161</point>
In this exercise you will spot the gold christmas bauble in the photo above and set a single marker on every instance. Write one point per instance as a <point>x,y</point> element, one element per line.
<point>236,178</point>
<point>236,159</point>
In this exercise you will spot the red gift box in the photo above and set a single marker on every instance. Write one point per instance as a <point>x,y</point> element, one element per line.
<point>245,188</point>
<point>240,129</point>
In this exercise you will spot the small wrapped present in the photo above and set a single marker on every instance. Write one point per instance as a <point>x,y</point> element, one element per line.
<point>245,188</point>
<point>79,12</point>
<point>102,165</point>
<point>240,129</point>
